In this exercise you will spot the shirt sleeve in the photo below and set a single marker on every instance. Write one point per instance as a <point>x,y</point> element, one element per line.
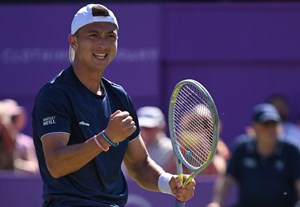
<point>133,114</point>
<point>51,112</point>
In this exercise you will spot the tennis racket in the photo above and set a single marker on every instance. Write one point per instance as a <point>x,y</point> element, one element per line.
<point>194,128</point>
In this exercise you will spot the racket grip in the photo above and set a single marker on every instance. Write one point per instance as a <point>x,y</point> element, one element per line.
<point>180,176</point>
<point>188,180</point>
<point>178,203</point>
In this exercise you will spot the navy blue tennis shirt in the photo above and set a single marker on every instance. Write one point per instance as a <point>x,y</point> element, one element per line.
<point>66,105</point>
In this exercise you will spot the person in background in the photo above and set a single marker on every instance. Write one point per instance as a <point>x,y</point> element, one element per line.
<point>6,144</point>
<point>222,154</point>
<point>266,168</point>
<point>153,130</point>
<point>21,153</point>
<point>219,162</point>
<point>290,130</point>
<point>85,126</point>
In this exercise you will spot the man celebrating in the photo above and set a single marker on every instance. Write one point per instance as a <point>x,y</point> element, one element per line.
<point>85,126</point>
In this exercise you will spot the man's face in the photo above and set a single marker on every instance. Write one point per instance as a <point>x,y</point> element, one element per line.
<point>96,44</point>
<point>149,134</point>
<point>268,131</point>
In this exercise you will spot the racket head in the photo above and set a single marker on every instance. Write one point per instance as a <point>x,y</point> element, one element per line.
<point>193,125</point>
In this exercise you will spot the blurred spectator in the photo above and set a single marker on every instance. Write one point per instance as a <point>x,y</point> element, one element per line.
<point>19,147</point>
<point>291,132</point>
<point>219,162</point>
<point>159,146</point>
<point>265,168</point>
<point>6,146</point>
<point>222,154</point>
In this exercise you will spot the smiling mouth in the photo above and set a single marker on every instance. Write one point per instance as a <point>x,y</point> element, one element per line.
<point>101,55</point>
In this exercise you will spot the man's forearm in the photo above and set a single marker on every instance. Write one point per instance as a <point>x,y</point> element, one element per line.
<point>147,175</point>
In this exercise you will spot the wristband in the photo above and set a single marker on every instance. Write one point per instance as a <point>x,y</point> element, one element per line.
<point>109,140</point>
<point>99,144</point>
<point>163,183</point>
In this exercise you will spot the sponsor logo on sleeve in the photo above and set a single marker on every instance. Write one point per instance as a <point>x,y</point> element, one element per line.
<point>84,123</point>
<point>50,120</point>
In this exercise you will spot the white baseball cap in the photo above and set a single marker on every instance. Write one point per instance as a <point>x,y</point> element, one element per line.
<point>150,117</point>
<point>85,16</point>
<point>8,109</point>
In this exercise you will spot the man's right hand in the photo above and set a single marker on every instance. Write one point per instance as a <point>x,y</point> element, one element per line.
<point>120,126</point>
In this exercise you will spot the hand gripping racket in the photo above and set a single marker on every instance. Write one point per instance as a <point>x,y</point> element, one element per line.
<point>194,128</point>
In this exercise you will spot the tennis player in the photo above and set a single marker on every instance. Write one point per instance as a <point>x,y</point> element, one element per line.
<point>85,126</point>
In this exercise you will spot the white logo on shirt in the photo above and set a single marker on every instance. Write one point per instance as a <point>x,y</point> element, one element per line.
<point>84,124</point>
<point>279,165</point>
<point>249,162</point>
<point>50,120</point>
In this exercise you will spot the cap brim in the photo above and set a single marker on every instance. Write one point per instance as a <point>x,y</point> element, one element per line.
<point>149,123</point>
<point>269,117</point>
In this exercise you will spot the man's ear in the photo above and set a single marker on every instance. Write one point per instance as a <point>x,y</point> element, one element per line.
<point>72,41</point>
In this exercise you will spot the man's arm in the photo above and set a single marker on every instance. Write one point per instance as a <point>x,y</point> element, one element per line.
<point>140,166</point>
<point>146,172</point>
<point>62,159</point>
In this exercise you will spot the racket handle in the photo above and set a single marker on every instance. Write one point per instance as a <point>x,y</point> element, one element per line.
<point>189,179</point>
<point>180,176</point>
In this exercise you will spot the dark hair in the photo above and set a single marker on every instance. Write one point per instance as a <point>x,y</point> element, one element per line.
<point>98,10</point>
<point>281,102</point>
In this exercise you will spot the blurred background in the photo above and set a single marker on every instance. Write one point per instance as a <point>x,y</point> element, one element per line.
<point>241,51</point>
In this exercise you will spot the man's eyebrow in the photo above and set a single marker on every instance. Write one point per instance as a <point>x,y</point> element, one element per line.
<point>97,31</point>
<point>92,31</point>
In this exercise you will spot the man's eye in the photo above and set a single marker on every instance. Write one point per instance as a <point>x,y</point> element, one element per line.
<point>112,36</point>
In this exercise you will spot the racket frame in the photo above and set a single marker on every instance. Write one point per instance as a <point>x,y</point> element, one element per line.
<point>214,113</point>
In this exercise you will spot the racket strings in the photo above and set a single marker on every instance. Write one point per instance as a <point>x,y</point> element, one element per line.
<point>193,126</point>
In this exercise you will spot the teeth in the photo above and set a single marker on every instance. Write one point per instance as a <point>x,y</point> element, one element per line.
<point>102,55</point>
